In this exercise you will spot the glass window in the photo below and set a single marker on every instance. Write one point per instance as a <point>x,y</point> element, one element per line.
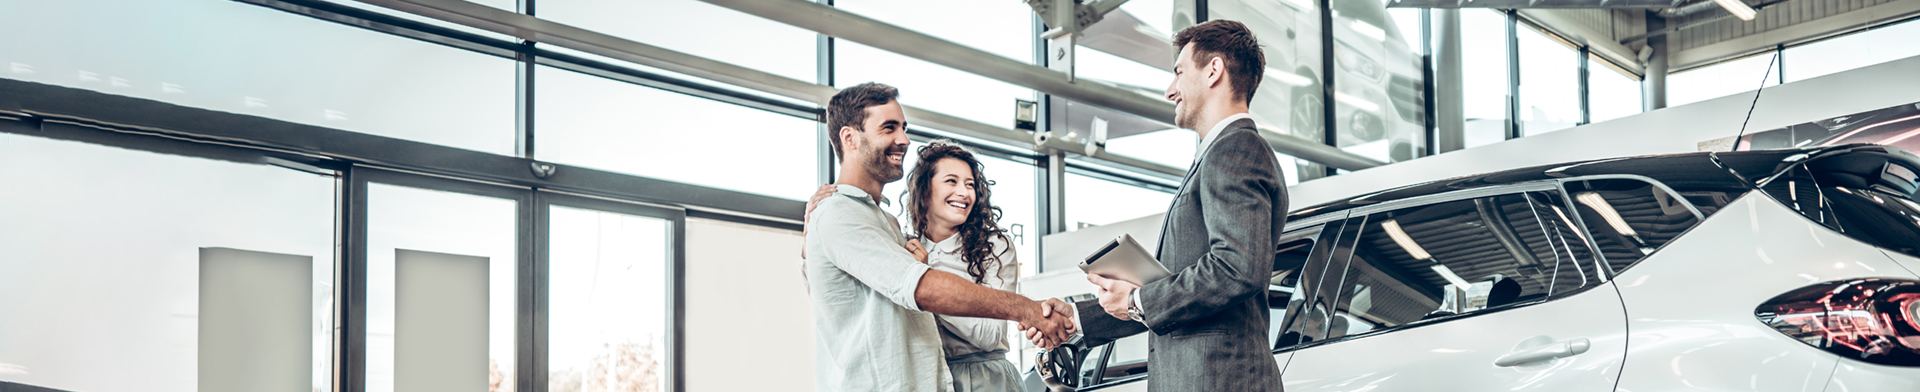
<point>1094,201</point>
<point>1379,97</point>
<point>1629,219</point>
<point>1865,197</point>
<point>693,27</point>
<point>1549,83</point>
<point>1723,79</point>
<point>1882,44</point>
<point>1483,47</point>
<point>284,66</point>
<point>1289,99</point>
<point>1409,21</point>
<point>440,276</point>
<point>509,5</point>
<point>606,124</point>
<point>1612,93</point>
<point>117,262</point>
<point>929,86</point>
<point>1441,260</point>
<point>607,296</point>
<point>1000,28</point>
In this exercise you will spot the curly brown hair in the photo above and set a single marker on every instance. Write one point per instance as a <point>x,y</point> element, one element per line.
<point>976,247</point>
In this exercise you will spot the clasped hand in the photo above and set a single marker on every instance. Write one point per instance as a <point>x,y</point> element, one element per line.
<point>1054,325</point>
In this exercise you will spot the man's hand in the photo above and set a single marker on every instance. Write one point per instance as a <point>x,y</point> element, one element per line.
<point>1113,295</point>
<point>822,194</point>
<point>1052,307</point>
<point>1049,326</point>
<point>919,252</point>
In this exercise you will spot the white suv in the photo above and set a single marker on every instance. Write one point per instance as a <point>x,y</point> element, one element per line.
<point>1782,270</point>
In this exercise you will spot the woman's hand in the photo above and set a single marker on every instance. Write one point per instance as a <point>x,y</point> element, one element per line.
<point>822,194</point>
<point>919,252</point>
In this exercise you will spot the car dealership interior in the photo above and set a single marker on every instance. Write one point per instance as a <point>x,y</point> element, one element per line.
<point>613,195</point>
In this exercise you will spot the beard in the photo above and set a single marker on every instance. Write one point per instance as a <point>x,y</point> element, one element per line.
<point>1186,114</point>
<point>878,166</point>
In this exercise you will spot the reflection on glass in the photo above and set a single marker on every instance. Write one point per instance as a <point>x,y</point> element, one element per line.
<point>284,66</point>
<point>1379,94</point>
<point>1289,99</point>
<point>509,5</point>
<point>1612,94</point>
<point>451,231</point>
<point>1723,79</point>
<point>1004,28</point>
<point>1549,84</point>
<point>606,293</point>
<point>1882,44</point>
<point>1093,201</point>
<point>1483,60</point>
<point>103,262</point>
<point>606,124</point>
<point>691,27</point>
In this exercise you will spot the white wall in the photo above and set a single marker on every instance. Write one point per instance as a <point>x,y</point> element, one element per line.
<point>749,324</point>
<point>1671,130</point>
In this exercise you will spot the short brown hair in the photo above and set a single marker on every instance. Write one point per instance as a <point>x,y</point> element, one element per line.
<point>848,108</point>
<point>1236,48</point>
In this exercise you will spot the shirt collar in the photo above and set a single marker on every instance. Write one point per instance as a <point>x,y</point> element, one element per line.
<point>1215,133</point>
<point>952,244</point>
<point>856,193</point>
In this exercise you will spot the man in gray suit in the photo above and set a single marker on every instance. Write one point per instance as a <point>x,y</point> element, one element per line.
<point>1209,320</point>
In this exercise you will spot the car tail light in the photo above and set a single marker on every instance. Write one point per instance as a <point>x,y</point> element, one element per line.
<point>1872,320</point>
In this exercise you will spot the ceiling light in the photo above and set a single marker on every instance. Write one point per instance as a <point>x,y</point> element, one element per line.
<point>1599,204</point>
<point>1400,237</point>
<point>1738,8</point>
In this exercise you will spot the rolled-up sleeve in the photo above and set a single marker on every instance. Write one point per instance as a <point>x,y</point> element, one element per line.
<point>855,239</point>
<point>986,333</point>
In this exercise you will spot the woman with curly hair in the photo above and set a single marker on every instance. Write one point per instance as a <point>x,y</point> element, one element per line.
<point>948,203</point>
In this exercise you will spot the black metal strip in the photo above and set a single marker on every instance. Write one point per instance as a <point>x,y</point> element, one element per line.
<point>1329,109</point>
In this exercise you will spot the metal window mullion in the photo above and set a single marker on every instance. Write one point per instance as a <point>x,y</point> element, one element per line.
<point>350,362</point>
<point>1329,109</point>
<point>823,74</point>
<point>1513,76</point>
<point>1586,91</point>
<point>530,314</point>
<point>1426,82</point>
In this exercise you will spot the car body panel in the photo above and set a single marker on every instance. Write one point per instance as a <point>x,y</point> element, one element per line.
<point>1855,376</point>
<point>1459,355</point>
<point>1691,329</point>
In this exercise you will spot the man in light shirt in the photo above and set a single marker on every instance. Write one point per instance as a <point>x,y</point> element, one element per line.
<point>871,298</point>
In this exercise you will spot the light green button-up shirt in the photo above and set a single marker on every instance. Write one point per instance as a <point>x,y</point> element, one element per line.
<point>870,334</point>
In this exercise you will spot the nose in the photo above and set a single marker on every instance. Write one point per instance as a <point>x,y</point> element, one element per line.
<point>1170,92</point>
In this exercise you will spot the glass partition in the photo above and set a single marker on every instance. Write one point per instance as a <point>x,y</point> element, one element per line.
<point>1549,83</point>
<point>1611,93</point>
<point>139,271</point>
<point>1379,94</point>
<point>247,59</point>
<point>1483,67</point>
<point>1723,79</point>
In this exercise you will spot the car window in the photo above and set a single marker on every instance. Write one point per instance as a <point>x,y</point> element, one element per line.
<point>1305,302</point>
<point>1628,219</point>
<point>1439,261</point>
<point>1864,196</point>
<point>1578,270</point>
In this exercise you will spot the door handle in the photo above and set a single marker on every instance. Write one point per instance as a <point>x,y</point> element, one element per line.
<point>1560,349</point>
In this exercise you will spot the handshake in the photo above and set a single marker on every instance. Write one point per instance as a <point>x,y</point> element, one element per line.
<point>1052,326</point>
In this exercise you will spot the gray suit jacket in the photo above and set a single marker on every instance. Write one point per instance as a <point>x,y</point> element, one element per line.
<point>1209,320</point>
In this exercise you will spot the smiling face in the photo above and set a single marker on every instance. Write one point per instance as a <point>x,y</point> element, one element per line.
<point>882,147</point>
<point>1190,83</point>
<point>950,195</point>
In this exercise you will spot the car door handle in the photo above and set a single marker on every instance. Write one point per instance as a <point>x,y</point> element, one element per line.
<point>1560,349</point>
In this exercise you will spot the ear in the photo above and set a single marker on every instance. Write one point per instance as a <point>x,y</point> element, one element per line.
<point>847,140</point>
<point>1216,71</point>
